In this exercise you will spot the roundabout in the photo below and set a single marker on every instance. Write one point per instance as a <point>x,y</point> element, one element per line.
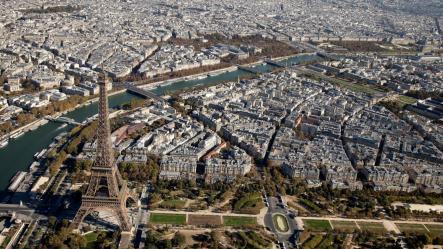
<point>280,223</point>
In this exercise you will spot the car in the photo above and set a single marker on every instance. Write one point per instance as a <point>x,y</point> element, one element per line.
<point>282,245</point>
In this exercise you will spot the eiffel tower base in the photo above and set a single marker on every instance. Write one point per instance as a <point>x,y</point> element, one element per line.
<point>119,212</point>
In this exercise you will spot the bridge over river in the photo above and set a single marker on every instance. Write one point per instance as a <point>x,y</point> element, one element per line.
<point>131,88</point>
<point>65,120</point>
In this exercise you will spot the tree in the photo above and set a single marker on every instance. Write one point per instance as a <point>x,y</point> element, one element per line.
<point>6,127</point>
<point>140,172</point>
<point>215,239</point>
<point>24,118</point>
<point>134,103</point>
<point>179,240</point>
<point>83,165</point>
<point>52,221</point>
<point>57,163</point>
<point>73,146</point>
<point>167,244</point>
<point>59,236</point>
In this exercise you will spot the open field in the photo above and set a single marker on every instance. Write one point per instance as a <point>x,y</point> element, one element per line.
<point>411,228</point>
<point>239,221</point>
<point>90,238</point>
<point>249,204</point>
<point>317,225</point>
<point>406,100</point>
<point>435,229</point>
<point>197,219</point>
<point>172,204</point>
<point>162,218</point>
<point>375,227</point>
<point>355,87</point>
<point>280,222</point>
<point>345,226</point>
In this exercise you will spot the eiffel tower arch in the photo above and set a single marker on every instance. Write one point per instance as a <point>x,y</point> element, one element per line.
<point>106,190</point>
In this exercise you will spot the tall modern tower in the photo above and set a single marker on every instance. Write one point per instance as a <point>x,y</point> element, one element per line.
<point>106,190</point>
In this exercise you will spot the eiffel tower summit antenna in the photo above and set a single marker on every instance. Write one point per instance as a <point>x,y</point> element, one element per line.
<point>106,190</point>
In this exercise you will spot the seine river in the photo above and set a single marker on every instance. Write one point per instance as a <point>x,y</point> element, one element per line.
<point>18,154</point>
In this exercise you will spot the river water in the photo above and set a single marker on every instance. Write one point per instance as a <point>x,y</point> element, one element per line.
<point>18,154</point>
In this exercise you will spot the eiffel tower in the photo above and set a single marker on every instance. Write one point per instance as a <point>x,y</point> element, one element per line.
<point>106,190</point>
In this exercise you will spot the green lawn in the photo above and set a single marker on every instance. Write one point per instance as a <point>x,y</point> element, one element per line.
<point>407,100</point>
<point>91,239</point>
<point>411,228</point>
<point>435,229</point>
<point>162,218</point>
<point>356,87</point>
<point>345,226</point>
<point>317,225</point>
<point>239,220</point>
<point>375,227</point>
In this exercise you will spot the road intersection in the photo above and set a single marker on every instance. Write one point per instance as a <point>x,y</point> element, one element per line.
<point>277,206</point>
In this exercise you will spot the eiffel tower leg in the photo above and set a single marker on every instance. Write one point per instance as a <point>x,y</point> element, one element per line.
<point>122,216</point>
<point>79,216</point>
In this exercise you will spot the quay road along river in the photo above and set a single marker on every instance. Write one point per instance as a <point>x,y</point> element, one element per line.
<point>18,154</point>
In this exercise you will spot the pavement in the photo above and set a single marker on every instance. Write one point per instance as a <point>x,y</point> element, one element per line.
<point>277,206</point>
<point>140,219</point>
<point>200,213</point>
<point>125,240</point>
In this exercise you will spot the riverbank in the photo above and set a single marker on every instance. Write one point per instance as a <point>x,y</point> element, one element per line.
<point>42,121</point>
<point>22,130</point>
<point>36,140</point>
<point>88,102</point>
<point>152,85</point>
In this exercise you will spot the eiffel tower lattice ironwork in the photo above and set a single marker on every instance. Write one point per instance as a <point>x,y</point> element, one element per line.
<point>106,190</point>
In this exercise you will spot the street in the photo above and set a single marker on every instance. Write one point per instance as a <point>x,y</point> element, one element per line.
<point>277,206</point>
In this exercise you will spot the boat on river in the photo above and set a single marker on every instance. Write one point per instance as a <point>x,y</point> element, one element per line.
<point>17,135</point>
<point>4,142</point>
